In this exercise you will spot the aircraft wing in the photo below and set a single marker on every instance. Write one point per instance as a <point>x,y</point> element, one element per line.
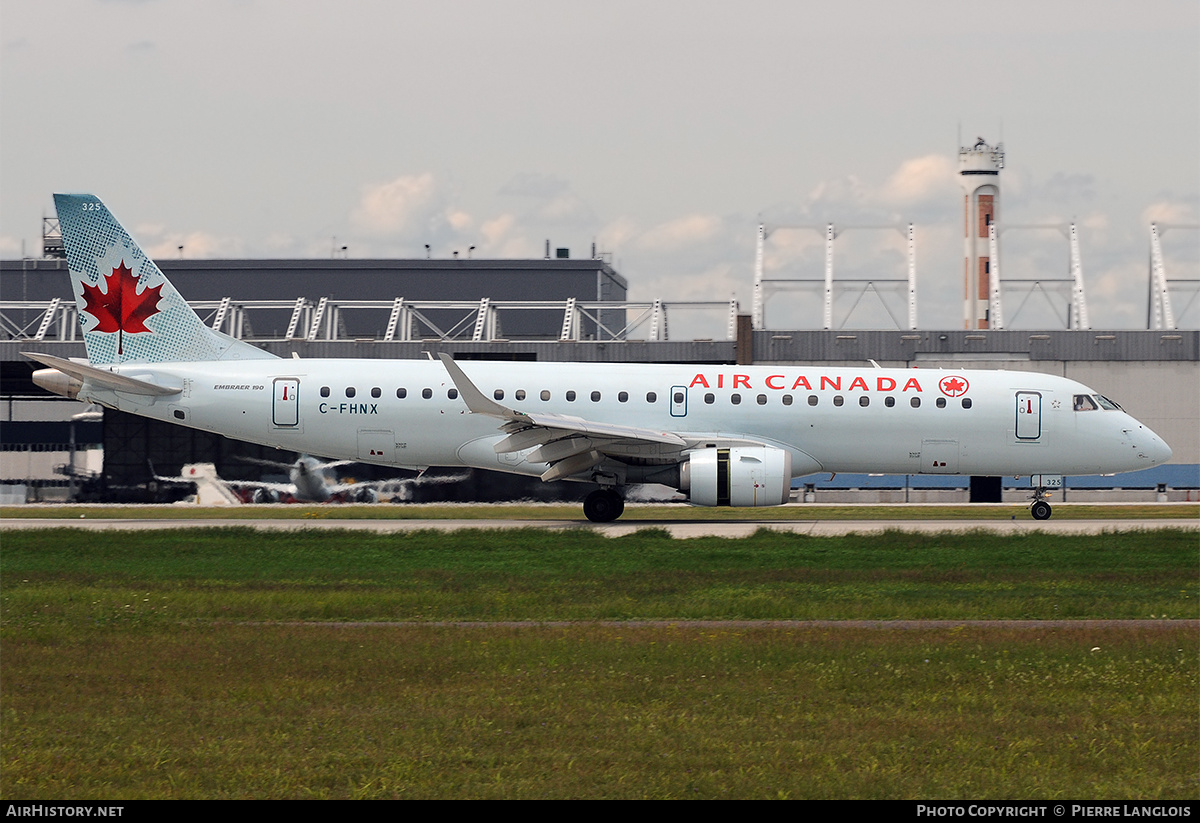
<point>569,444</point>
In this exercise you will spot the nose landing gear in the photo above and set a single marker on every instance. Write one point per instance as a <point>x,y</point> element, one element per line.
<point>1042,485</point>
<point>1040,509</point>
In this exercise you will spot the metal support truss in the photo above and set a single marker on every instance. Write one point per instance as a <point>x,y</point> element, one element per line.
<point>1071,286</point>
<point>38,320</point>
<point>1162,312</point>
<point>830,286</point>
<point>399,319</point>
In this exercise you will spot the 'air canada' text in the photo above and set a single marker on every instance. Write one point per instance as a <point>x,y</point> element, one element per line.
<point>781,382</point>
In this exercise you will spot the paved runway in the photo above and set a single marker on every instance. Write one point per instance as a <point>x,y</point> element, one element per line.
<point>678,528</point>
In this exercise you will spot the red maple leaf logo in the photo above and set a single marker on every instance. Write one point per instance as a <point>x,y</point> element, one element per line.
<point>122,309</point>
<point>953,386</point>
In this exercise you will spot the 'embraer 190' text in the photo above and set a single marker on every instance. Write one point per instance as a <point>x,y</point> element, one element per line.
<point>824,382</point>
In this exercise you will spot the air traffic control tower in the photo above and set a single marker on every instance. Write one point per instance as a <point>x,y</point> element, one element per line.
<point>979,173</point>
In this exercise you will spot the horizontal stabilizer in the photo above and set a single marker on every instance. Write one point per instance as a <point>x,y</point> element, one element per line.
<point>102,378</point>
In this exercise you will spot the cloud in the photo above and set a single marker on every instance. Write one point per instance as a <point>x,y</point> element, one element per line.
<point>398,206</point>
<point>1075,189</point>
<point>551,203</point>
<point>504,237</point>
<point>196,245</point>
<point>1169,211</point>
<point>681,233</point>
<point>919,181</point>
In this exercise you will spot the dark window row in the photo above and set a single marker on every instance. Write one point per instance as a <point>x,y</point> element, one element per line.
<point>652,397</point>
<point>838,400</point>
<point>519,394</point>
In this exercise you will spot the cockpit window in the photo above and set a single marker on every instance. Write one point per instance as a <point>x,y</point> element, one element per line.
<point>1084,403</point>
<point>1107,404</point>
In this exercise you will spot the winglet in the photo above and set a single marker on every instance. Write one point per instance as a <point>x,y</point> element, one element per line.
<point>476,401</point>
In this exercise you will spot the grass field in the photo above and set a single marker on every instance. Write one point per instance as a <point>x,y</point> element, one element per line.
<point>234,663</point>
<point>637,512</point>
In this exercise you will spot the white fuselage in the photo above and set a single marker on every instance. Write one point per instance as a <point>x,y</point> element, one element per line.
<point>836,420</point>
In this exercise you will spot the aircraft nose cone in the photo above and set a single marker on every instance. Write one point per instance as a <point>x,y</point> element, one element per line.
<point>1158,450</point>
<point>1150,448</point>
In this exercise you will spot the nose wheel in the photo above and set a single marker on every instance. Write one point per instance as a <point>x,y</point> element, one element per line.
<point>1040,508</point>
<point>603,505</point>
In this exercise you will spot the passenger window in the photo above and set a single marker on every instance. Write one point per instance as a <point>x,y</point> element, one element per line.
<point>595,397</point>
<point>571,397</point>
<point>1084,403</point>
<point>966,402</point>
<point>762,399</point>
<point>889,401</point>
<point>376,392</point>
<point>838,400</point>
<point>401,393</point>
<point>864,401</point>
<point>350,391</point>
<point>651,397</point>
<point>812,400</point>
<point>915,402</point>
<point>427,393</point>
<point>941,402</point>
<point>623,397</point>
<point>710,398</point>
<point>324,391</point>
<point>452,394</point>
<point>787,400</point>
<point>498,394</point>
<point>735,399</point>
<point>520,394</point>
<point>545,395</point>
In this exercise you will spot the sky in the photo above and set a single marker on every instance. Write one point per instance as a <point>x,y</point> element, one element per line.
<point>664,132</point>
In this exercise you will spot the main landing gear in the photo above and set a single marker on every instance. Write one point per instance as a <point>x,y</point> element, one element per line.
<point>603,505</point>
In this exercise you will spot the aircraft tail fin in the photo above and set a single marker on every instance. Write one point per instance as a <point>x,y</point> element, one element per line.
<point>129,311</point>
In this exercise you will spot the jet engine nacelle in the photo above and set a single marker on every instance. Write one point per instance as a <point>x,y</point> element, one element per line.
<point>52,380</point>
<point>738,476</point>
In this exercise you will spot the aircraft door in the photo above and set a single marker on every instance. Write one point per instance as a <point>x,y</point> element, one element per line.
<point>285,407</point>
<point>679,401</point>
<point>1029,415</point>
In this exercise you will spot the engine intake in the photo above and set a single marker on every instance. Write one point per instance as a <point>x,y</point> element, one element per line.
<point>737,476</point>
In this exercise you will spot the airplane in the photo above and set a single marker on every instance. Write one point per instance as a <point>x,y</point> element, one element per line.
<point>311,482</point>
<point>722,435</point>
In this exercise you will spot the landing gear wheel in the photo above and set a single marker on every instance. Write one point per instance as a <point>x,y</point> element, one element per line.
<point>1040,510</point>
<point>603,506</point>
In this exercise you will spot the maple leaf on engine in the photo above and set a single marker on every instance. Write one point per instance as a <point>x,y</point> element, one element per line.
<point>121,309</point>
